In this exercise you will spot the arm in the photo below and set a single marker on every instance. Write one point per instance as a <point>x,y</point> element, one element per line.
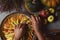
<point>15,38</point>
<point>35,26</point>
<point>19,29</point>
<point>39,34</point>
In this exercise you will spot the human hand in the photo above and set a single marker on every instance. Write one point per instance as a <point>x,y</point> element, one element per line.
<point>19,30</point>
<point>35,22</point>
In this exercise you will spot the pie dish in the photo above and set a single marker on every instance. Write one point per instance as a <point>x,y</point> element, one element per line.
<point>8,24</point>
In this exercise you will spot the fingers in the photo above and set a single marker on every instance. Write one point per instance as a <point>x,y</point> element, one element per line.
<point>16,26</point>
<point>20,25</point>
<point>39,19</point>
<point>35,19</point>
<point>32,18</point>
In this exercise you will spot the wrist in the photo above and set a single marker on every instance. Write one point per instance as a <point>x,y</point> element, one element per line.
<point>39,34</point>
<point>16,38</point>
<point>37,30</point>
